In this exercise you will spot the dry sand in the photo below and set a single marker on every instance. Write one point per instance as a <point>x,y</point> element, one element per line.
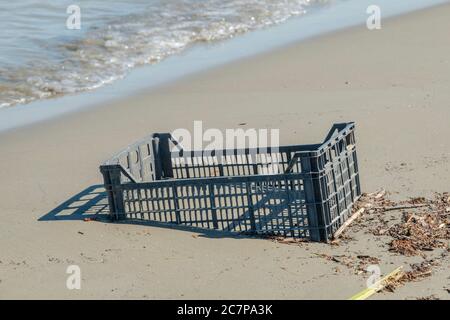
<point>395,83</point>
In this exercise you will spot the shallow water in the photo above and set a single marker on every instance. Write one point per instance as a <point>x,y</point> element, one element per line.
<point>40,57</point>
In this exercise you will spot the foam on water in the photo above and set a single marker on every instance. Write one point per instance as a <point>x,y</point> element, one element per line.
<point>41,58</point>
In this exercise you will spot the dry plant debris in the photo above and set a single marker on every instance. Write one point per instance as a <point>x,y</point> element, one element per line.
<point>418,272</point>
<point>358,263</point>
<point>424,225</point>
<point>285,240</point>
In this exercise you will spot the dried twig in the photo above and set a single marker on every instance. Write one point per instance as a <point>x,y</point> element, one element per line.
<point>348,222</point>
<point>401,207</point>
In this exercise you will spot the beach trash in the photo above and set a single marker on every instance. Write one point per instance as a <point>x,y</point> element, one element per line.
<point>309,194</point>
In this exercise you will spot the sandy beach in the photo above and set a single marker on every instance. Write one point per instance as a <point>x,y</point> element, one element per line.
<point>394,83</point>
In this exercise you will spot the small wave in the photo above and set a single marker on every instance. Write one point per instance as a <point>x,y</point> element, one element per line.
<point>107,51</point>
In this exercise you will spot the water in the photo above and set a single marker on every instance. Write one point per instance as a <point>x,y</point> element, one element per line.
<point>41,58</point>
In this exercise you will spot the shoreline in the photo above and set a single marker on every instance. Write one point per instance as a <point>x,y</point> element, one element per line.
<point>204,57</point>
<point>394,83</point>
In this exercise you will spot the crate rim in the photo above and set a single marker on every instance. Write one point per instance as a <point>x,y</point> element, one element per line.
<point>314,149</point>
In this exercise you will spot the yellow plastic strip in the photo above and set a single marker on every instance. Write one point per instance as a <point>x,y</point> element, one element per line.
<point>377,286</point>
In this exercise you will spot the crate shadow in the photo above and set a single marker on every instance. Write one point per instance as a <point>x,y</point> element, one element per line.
<point>202,232</point>
<point>92,204</point>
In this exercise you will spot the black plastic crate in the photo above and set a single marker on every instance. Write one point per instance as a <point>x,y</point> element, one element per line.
<point>310,196</point>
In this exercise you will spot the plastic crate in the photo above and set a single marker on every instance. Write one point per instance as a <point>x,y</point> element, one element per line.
<point>310,197</point>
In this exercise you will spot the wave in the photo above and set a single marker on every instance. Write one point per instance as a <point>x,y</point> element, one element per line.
<point>113,45</point>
